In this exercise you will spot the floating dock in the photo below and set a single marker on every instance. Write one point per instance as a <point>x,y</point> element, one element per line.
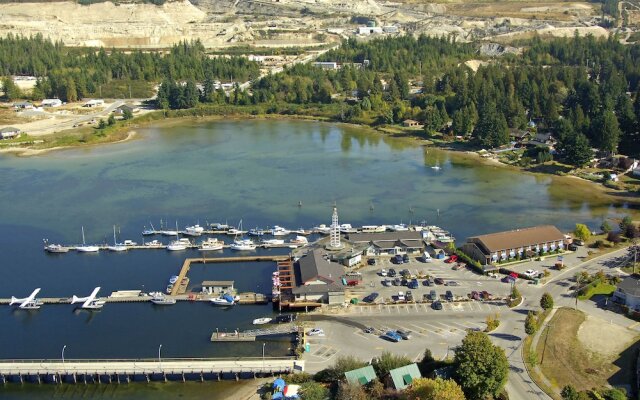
<point>251,335</point>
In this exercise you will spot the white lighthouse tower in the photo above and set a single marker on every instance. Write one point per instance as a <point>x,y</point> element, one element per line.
<point>335,244</point>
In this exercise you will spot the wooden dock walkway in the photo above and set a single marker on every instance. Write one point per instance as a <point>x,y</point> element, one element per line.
<point>251,335</point>
<point>74,368</point>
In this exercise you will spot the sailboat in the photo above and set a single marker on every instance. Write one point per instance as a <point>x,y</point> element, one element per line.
<point>147,232</point>
<point>178,244</point>
<point>87,249</point>
<point>117,246</point>
<point>242,243</point>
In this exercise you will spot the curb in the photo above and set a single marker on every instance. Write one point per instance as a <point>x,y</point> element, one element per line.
<point>534,341</point>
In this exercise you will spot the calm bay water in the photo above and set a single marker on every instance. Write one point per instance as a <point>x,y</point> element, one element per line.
<point>257,171</point>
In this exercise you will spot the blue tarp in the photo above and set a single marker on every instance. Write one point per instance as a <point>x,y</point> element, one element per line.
<point>278,395</point>
<point>228,298</point>
<point>279,384</point>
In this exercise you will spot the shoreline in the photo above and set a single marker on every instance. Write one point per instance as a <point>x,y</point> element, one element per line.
<point>621,196</point>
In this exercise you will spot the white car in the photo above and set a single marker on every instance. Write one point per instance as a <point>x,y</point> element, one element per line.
<point>315,332</point>
<point>531,273</point>
<point>401,296</point>
<point>383,272</point>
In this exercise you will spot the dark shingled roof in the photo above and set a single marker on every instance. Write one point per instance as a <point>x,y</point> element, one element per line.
<point>630,285</point>
<point>519,238</point>
<point>318,289</point>
<point>314,266</point>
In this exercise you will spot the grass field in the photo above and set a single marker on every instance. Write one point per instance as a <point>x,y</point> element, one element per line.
<point>587,357</point>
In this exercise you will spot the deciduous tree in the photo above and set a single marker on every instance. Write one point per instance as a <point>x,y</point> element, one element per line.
<point>435,389</point>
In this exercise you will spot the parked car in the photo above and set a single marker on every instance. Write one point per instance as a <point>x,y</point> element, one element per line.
<point>397,282</point>
<point>406,335</point>
<point>315,332</point>
<point>426,297</point>
<point>531,273</point>
<point>453,283</point>
<point>400,296</point>
<point>397,259</point>
<point>392,272</point>
<point>405,258</point>
<point>426,257</point>
<point>406,273</point>
<point>448,295</point>
<point>452,258</point>
<point>485,295</point>
<point>371,261</point>
<point>427,282</point>
<point>413,284</point>
<point>474,295</point>
<point>439,281</point>
<point>369,330</point>
<point>392,336</point>
<point>433,295</point>
<point>436,305</point>
<point>578,242</point>
<point>371,298</point>
<point>458,266</point>
<point>572,247</point>
<point>508,279</point>
<point>409,295</point>
<point>383,272</point>
<point>404,282</point>
<point>386,282</point>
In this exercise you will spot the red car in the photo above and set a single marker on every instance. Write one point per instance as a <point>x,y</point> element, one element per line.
<point>453,258</point>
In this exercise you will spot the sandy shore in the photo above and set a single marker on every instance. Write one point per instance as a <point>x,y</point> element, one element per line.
<point>29,152</point>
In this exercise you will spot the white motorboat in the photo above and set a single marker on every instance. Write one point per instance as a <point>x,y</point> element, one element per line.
<point>373,228</point>
<point>169,233</point>
<point>272,242</point>
<point>147,232</point>
<point>117,246</point>
<point>262,321</point>
<point>211,244</point>
<point>347,228</point>
<point>235,231</point>
<point>55,248</point>
<point>224,300</point>
<point>280,231</point>
<point>300,241</point>
<point>169,288</point>
<point>173,279</point>
<point>399,228</point>
<point>436,167</point>
<point>154,243</point>
<point>322,228</point>
<point>197,229</point>
<point>242,244</point>
<point>162,300</point>
<point>256,232</point>
<point>178,244</point>
<point>87,248</point>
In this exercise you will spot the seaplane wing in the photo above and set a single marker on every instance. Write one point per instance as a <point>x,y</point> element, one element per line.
<point>87,301</point>
<point>27,302</point>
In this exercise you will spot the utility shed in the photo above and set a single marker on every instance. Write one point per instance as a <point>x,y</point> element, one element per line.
<point>215,287</point>
<point>361,376</point>
<point>403,376</point>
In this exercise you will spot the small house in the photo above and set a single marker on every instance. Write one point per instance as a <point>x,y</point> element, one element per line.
<point>410,123</point>
<point>51,103</point>
<point>124,108</point>
<point>369,30</point>
<point>628,292</point>
<point>519,136</point>
<point>9,133</point>
<point>24,105</point>
<point>402,377</point>
<point>94,103</point>
<point>217,287</point>
<point>326,64</point>
<point>361,376</point>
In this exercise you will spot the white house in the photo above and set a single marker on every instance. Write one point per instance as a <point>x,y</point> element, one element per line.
<point>94,103</point>
<point>369,30</point>
<point>326,64</point>
<point>51,103</point>
<point>9,132</point>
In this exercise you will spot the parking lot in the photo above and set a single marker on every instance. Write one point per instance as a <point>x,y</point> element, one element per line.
<point>460,282</point>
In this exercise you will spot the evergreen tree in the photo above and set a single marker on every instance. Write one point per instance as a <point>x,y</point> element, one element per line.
<point>578,151</point>
<point>492,129</point>
<point>111,120</point>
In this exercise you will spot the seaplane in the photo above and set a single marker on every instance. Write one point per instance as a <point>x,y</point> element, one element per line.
<point>28,303</point>
<point>90,302</point>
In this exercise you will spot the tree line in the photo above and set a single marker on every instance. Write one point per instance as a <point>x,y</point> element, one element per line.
<point>73,73</point>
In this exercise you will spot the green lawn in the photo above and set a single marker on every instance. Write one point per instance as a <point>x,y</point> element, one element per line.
<point>601,288</point>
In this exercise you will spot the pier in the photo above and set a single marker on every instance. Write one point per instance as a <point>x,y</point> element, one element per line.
<point>186,266</point>
<point>117,371</point>
<point>251,335</point>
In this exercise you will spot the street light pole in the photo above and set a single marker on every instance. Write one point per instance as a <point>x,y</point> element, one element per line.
<point>63,347</point>
<point>159,357</point>
<point>263,344</point>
